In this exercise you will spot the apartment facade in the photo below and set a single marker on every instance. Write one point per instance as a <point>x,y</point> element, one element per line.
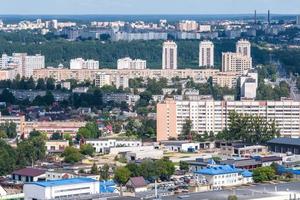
<point>209,115</point>
<point>128,63</point>
<point>169,55</point>
<point>235,62</point>
<point>80,63</point>
<point>244,47</point>
<point>61,74</point>
<point>206,54</point>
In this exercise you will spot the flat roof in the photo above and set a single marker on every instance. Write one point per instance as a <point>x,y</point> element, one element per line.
<point>60,182</point>
<point>287,141</point>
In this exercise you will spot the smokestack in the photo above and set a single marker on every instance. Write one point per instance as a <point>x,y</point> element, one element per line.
<point>269,17</point>
<point>255,17</point>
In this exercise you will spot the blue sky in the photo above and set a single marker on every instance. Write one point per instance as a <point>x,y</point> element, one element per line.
<point>148,6</point>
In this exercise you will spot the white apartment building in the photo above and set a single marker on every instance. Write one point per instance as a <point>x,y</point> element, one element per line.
<point>249,84</point>
<point>103,146</point>
<point>23,63</point>
<point>204,28</point>
<point>206,54</point>
<point>80,63</point>
<point>128,63</point>
<point>209,115</point>
<point>169,55</point>
<point>244,47</point>
<point>63,188</point>
<point>218,176</point>
<point>31,63</point>
<point>235,62</point>
<point>121,81</point>
<point>187,25</point>
<point>102,79</point>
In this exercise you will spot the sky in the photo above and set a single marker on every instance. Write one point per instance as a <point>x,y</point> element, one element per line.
<point>82,7</point>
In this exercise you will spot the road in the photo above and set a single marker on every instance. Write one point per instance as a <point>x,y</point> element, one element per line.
<point>246,192</point>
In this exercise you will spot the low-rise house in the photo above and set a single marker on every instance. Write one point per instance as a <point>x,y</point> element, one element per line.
<point>63,188</point>
<point>200,163</point>
<point>137,153</point>
<point>28,175</point>
<point>268,160</point>
<point>180,146</point>
<point>242,163</point>
<point>56,146</point>
<point>223,176</point>
<point>57,174</point>
<point>243,150</point>
<point>104,146</point>
<point>136,184</point>
<point>284,145</point>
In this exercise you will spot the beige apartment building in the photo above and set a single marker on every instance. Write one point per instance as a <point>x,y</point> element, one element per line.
<point>225,79</point>
<point>235,62</point>
<point>61,74</point>
<point>210,115</point>
<point>50,127</point>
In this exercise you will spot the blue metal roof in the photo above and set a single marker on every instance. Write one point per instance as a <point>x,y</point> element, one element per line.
<point>107,186</point>
<point>63,182</point>
<point>219,169</point>
<point>247,173</point>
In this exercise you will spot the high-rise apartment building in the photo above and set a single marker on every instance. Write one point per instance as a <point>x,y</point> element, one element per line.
<point>209,115</point>
<point>298,20</point>
<point>128,63</point>
<point>80,63</point>
<point>33,62</point>
<point>169,55</point>
<point>206,54</point>
<point>23,63</point>
<point>244,47</point>
<point>235,62</point>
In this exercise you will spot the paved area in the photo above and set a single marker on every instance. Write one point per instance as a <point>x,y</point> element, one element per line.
<point>246,192</point>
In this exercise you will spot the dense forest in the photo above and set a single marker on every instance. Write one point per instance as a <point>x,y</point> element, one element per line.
<point>58,50</point>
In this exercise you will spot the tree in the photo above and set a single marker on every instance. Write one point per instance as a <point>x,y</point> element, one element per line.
<point>232,197</point>
<point>7,158</point>
<point>186,130</point>
<point>165,168</point>
<point>71,155</point>
<point>31,150</point>
<point>183,165</point>
<point>94,169</point>
<point>262,174</point>
<point>40,84</point>
<point>249,128</point>
<point>134,169</point>
<point>87,149</point>
<point>116,127</point>
<point>8,129</point>
<point>56,136</point>
<point>104,172</point>
<point>122,175</point>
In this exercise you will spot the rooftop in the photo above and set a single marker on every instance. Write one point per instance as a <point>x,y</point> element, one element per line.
<point>63,182</point>
<point>287,141</point>
<point>29,172</point>
<point>219,169</point>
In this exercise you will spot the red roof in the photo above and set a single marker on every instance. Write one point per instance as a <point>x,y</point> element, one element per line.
<point>29,172</point>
